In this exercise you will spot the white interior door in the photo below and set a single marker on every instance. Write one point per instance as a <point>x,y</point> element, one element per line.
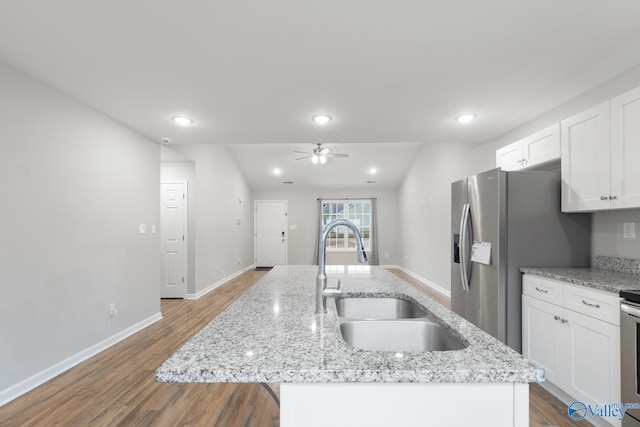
<point>270,233</point>
<point>173,231</point>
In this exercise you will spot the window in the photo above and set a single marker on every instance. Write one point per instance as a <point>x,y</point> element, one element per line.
<point>342,239</point>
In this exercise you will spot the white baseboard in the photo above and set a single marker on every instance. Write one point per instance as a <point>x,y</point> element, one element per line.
<point>427,283</point>
<point>218,283</point>
<point>17,390</point>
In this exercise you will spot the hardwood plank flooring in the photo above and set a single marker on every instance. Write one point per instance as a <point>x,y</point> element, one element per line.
<point>117,387</point>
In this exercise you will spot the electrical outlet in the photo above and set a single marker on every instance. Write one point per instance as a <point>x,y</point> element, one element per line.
<point>629,230</point>
<point>112,309</point>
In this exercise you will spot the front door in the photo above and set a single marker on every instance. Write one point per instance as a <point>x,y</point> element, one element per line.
<point>271,233</point>
<point>173,234</point>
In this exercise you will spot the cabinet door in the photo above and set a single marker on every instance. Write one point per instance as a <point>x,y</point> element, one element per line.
<point>509,158</point>
<point>542,146</point>
<point>542,337</point>
<point>625,150</point>
<point>592,359</point>
<point>585,145</point>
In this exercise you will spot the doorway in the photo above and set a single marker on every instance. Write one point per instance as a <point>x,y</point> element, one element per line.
<point>270,233</point>
<point>173,233</point>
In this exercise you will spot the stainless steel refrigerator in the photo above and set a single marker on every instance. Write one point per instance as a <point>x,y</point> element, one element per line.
<point>502,221</point>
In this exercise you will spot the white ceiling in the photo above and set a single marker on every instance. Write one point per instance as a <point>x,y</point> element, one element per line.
<point>254,72</point>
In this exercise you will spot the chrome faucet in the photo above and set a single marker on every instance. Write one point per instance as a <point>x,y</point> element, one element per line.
<point>321,281</point>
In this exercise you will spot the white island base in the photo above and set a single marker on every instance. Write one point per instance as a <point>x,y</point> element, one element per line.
<point>408,405</point>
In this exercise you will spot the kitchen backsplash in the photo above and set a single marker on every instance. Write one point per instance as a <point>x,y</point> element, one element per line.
<point>624,265</point>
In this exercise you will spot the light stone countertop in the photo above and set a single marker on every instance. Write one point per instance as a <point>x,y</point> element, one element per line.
<point>604,280</point>
<point>271,334</point>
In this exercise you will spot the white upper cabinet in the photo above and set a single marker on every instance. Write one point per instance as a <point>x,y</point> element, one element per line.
<point>585,160</point>
<point>600,156</point>
<point>509,158</point>
<point>625,150</point>
<point>541,147</point>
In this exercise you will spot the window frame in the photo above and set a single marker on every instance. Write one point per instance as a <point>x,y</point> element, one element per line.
<point>346,215</point>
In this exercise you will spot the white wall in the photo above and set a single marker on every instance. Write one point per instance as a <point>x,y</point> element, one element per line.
<point>185,170</point>
<point>424,196</point>
<point>76,185</point>
<point>222,247</point>
<point>302,209</point>
<point>425,211</point>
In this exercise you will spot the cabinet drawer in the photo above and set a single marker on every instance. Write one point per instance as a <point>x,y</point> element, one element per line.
<point>599,305</point>
<point>543,289</point>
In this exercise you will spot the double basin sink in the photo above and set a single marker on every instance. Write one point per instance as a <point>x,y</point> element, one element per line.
<point>392,324</point>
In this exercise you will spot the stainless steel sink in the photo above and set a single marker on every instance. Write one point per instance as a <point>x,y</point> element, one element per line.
<point>374,308</point>
<point>399,335</point>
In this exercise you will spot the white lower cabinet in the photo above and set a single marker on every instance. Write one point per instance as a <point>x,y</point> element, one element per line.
<point>592,359</point>
<point>543,337</point>
<point>580,353</point>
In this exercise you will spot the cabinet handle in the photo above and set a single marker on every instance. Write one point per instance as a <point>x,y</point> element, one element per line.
<point>544,291</point>
<point>564,320</point>
<point>556,317</point>
<point>524,161</point>
<point>612,197</point>
<point>590,305</point>
<point>604,198</point>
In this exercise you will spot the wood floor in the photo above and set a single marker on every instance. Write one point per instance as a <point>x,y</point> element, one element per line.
<point>117,386</point>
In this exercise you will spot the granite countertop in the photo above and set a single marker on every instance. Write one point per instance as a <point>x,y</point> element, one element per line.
<point>271,334</point>
<point>610,274</point>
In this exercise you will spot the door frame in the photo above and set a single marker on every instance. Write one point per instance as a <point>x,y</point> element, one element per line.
<point>255,228</point>
<point>185,228</point>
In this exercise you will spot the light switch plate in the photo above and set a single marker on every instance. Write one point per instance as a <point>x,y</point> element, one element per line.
<point>629,230</point>
<point>143,228</point>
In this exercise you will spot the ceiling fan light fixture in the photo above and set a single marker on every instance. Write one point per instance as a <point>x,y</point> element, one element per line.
<point>323,159</point>
<point>314,159</point>
<point>321,119</point>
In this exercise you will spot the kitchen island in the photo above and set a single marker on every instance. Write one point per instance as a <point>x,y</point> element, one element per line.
<point>271,334</point>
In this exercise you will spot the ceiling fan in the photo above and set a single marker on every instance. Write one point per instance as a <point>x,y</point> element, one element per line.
<point>319,154</point>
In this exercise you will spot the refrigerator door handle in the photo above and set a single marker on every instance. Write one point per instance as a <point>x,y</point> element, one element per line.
<point>464,222</point>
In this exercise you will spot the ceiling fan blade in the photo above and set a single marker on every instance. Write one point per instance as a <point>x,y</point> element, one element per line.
<point>305,157</point>
<point>336,155</point>
<point>303,152</point>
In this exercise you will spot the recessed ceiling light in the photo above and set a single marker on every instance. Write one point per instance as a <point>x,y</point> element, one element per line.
<point>373,171</point>
<point>466,118</point>
<point>321,119</point>
<point>277,171</point>
<point>182,121</point>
